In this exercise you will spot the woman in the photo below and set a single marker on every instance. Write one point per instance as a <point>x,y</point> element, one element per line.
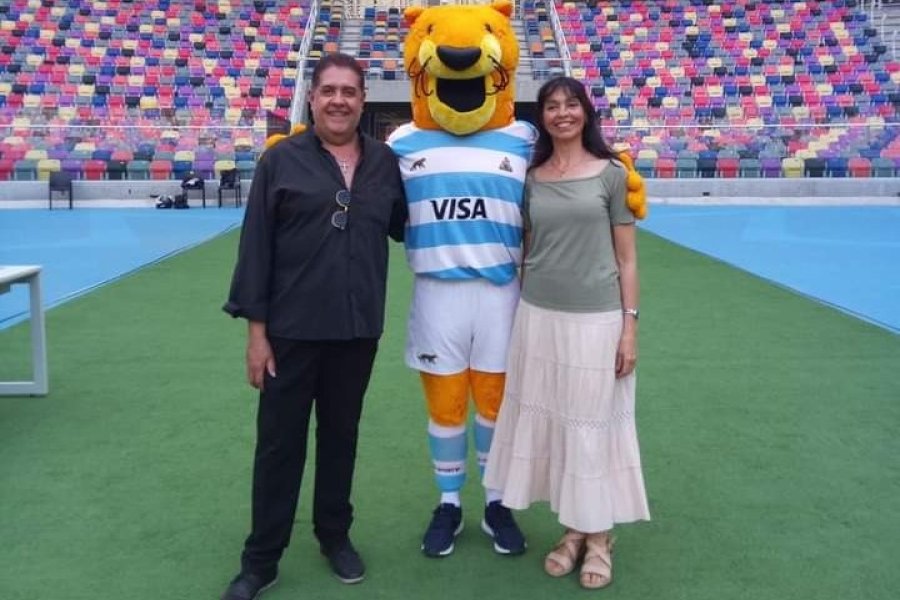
<point>566,430</point>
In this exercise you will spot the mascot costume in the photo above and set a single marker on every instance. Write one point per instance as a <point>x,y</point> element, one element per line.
<point>463,160</point>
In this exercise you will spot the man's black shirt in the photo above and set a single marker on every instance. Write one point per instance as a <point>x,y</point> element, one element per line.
<point>296,272</point>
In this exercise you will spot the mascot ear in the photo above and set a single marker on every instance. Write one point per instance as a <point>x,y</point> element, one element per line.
<point>504,7</point>
<point>277,137</point>
<point>412,13</point>
<point>635,190</point>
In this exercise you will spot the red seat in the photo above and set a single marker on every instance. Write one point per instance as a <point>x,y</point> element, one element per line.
<point>161,169</point>
<point>6,168</point>
<point>94,169</point>
<point>665,168</point>
<point>859,167</point>
<point>728,167</point>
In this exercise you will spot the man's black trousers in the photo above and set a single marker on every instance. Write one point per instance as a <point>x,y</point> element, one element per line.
<point>332,376</point>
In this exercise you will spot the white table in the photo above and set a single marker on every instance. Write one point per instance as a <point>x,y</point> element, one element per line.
<point>9,276</point>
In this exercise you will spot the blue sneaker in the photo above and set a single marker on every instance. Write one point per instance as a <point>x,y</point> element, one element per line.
<point>446,524</point>
<point>499,524</point>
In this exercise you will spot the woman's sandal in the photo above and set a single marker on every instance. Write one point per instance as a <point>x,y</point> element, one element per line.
<point>596,570</point>
<point>565,555</point>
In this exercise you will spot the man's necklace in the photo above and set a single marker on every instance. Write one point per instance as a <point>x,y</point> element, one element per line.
<point>345,165</point>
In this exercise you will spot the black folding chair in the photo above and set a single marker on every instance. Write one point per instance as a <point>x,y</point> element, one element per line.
<point>193,182</point>
<point>61,182</point>
<point>229,180</point>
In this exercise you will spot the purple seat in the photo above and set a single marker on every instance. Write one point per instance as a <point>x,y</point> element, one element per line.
<point>73,167</point>
<point>770,167</point>
<point>205,167</point>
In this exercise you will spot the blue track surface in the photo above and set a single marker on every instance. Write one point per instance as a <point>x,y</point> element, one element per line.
<point>844,256</point>
<point>847,257</point>
<point>84,248</point>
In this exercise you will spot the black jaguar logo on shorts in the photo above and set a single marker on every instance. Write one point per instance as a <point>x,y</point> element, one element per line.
<point>427,358</point>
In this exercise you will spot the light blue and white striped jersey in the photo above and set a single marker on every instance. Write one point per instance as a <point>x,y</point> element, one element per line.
<point>465,198</point>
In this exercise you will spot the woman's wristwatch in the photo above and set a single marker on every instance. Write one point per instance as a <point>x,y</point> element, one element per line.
<point>631,311</point>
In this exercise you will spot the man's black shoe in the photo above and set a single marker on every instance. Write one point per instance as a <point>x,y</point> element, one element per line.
<point>499,524</point>
<point>446,524</point>
<point>345,563</point>
<point>248,586</point>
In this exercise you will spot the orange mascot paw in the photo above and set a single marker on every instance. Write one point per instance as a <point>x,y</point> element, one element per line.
<point>635,190</point>
<point>277,137</point>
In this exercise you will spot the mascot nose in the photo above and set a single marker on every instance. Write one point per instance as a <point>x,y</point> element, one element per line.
<point>458,59</point>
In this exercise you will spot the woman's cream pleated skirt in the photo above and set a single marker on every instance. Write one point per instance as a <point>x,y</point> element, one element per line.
<point>566,429</point>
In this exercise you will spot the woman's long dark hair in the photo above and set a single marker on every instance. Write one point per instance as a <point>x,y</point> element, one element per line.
<point>591,138</point>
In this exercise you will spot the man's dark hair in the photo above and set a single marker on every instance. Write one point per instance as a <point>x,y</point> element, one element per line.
<point>337,59</point>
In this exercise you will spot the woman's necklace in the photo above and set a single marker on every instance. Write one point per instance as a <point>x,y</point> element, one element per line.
<point>561,170</point>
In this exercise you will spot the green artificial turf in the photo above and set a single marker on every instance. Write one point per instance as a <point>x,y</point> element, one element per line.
<point>768,427</point>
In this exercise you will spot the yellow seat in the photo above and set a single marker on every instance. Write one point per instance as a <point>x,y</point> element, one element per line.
<point>800,112</point>
<point>36,154</point>
<point>232,116</point>
<point>223,165</point>
<point>46,166</point>
<point>792,167</point>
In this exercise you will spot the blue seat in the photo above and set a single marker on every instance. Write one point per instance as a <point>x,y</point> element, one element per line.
<point>836,166</point>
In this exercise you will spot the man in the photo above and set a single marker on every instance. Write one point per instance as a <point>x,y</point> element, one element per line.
<point>310,279</point>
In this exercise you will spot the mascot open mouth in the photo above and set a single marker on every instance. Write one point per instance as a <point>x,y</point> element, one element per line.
<point>462,95</point>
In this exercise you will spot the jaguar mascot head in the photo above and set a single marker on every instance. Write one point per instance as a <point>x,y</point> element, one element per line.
<point>461,61</point>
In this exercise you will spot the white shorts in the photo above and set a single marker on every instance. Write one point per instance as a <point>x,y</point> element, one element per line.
<point>456,325</point>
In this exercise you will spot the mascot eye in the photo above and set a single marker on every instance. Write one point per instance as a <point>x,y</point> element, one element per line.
<point>430,29</point>
<point>488,28</point>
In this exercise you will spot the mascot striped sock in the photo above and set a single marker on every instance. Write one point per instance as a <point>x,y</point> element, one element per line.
<point>448,451</point>
<point>484,433</point>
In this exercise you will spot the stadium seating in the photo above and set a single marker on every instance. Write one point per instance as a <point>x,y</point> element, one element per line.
<point>812,74</point>
<point>111,75</point>
<point>693,88</point>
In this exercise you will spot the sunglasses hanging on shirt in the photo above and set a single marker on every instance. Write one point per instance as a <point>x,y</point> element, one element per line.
<point>341,217</point>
